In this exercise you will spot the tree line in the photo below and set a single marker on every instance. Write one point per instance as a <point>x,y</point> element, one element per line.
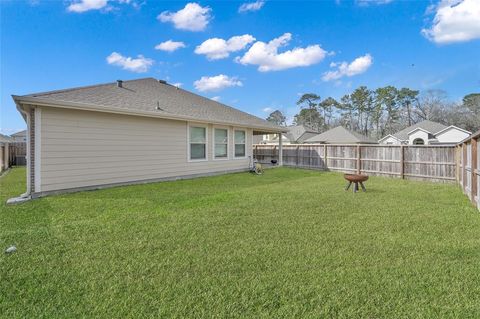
<point>383,111</point>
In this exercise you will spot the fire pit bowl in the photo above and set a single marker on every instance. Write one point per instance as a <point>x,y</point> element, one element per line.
<point>355,179</point>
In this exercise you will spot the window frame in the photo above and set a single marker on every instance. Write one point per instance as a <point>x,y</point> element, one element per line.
<point>189,158</point>
<point>234,144</point>
<point>417,139</point>
<point>214,143</point>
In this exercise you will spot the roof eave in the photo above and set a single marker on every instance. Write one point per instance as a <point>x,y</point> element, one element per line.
<point>20,100</point>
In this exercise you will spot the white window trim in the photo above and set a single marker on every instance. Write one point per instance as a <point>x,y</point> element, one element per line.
<point>246,143</point>
<point>189,125</point>
<point>228,143</point>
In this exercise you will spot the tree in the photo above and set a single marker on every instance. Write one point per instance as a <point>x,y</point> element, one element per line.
<point>472,102</point>
<point>310,118</point>
<point>362,101</point>
<point>328,106</point>
<point>430,105</point>
<point>276,117</point>
<point>407,98</point>
<point>309,101</point>
<point>387,97</point>
<point>347,111</point>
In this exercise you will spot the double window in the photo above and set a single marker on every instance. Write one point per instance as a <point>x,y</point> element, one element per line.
<point>198,143</point>
<point>240,139</point>
<point>220,150</point>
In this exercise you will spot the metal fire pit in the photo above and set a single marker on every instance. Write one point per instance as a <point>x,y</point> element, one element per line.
<point>355,179</point>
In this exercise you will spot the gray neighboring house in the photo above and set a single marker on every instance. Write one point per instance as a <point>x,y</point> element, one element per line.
<point>297,134</point>
<point>340,135</point>
<point>131,132</point>
<point>20,136</point>
<point>427,133</point>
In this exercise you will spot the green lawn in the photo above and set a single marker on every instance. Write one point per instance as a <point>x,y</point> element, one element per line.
<point>287,244</point>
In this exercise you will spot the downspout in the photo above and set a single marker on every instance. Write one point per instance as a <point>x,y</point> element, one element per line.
<point>26,117</point>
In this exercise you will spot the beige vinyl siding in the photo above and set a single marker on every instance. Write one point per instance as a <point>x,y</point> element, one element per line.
<point>85,148</point>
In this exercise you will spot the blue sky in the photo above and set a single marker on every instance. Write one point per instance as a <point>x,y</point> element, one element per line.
<point>60,44</point>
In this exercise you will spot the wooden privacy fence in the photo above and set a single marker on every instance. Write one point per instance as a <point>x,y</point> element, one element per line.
<point>17,153</point>
<point>468,163</point>
<point>434,163</point>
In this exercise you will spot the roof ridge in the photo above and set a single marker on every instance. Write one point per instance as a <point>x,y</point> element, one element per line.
<point>83,87</point>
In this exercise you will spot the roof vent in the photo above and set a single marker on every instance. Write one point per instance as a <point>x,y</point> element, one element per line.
<point>162,81</point>
<point>119,83</point>
<point>158,108</point>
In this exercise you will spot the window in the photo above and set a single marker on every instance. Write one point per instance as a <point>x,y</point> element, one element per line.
<point>240,143</point>
<point>220,150</point>
<point>198,142</point>
<point>418,141</point>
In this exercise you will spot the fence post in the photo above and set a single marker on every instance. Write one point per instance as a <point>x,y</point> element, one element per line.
<point>473,167</point>
<point>402,161</point>
<point>325,166</point>
<point>296,163</point>
<point>457,163</point>
<point>359,164</point>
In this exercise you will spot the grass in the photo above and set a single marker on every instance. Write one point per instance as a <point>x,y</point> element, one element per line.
<point>287,244</point>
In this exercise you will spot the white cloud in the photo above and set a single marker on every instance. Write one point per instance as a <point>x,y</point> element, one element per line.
<point>455,21</point>
<point>251,6</point>
<point>368,2</point>
<point>217,48</point>
<point>191,18</point>
<point>86,5</point>
<point>357,66</point>
<point>178,84</point>
<point>138,65</point>
<point>215,98</point>
<point>216,83</point>
<point>266,55</point>
<point>267,110</point>
<point>170,46</point>
<point>81,6</point>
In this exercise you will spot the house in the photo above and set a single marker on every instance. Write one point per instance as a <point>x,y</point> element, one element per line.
<point>19,136</point>
<point>4,152</point>
<point>427,133</point>
<point>340,135</point>
<point>296,134</point>
<point>131,132</point>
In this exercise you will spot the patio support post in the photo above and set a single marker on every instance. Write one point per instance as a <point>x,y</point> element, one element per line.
<point>280,150</point>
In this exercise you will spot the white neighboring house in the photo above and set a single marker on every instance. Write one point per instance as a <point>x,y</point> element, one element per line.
<point>427,133</point>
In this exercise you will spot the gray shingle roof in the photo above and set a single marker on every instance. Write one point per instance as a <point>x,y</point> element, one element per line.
<point>144,95</point>
<point>299,133</point>
<point>20,133</point>
<point>432,127</point>
<point>5,138</point>
<point>340,135</point>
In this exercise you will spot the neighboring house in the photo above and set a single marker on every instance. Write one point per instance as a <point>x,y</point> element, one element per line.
<point>4,149</point>
<point>340,135</point>
<point>427,133</point>
<point>129,132</point>
<point>19,136</point>
<point>296,134</point>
